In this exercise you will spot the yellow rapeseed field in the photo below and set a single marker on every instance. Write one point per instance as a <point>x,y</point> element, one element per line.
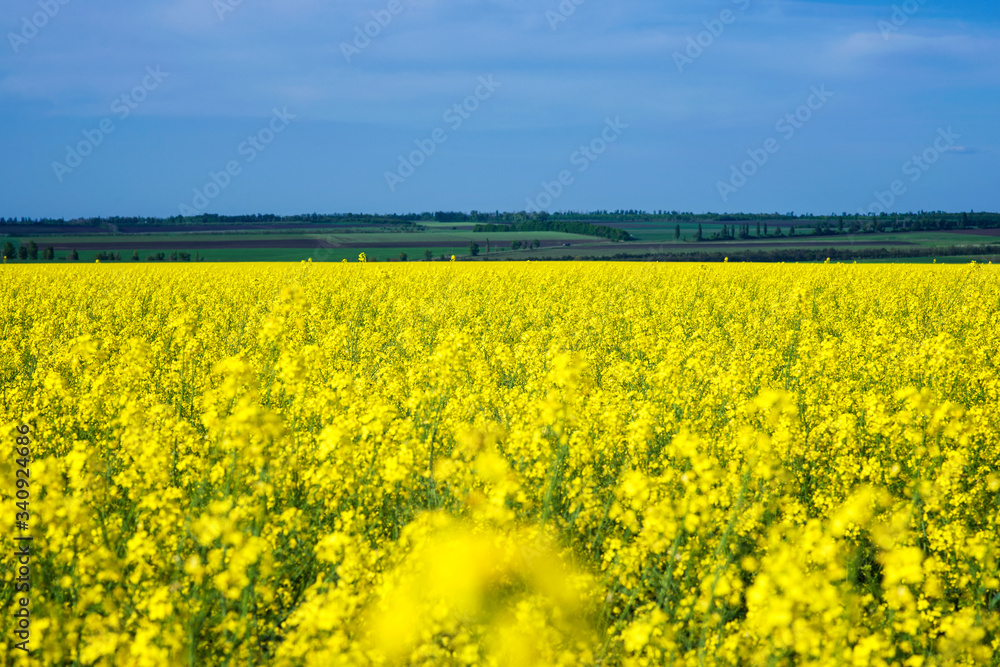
<point>531,464</point>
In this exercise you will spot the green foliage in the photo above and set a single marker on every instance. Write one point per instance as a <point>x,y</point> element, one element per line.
<point>567,227</point>
<point>798,254</point>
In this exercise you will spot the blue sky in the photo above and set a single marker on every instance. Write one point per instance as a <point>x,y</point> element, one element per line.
<point>632,104</point>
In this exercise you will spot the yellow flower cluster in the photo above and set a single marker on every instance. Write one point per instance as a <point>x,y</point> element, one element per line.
<point>544,464</point>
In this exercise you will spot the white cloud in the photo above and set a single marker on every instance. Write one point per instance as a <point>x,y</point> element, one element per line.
<point>873,44</point>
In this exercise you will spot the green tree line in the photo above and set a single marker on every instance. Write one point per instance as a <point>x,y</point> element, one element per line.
<point>568,227</point>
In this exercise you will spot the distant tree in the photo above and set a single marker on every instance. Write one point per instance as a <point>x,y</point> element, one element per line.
<point>74,256</point>
<point>677,233</point>
<point>22,252</point>
<point>765,229</point>
<point>487,245</point>
<point>758,228</point>
<point>516,245</point>
<point>473,248</point>
<point>135,255</point>
<point>428,255</point>
<point>698,235</point>
<point>49,253</point>
<point>840,225</point>
<point>33,250</point>
<point>8,250</point>
<point>402,256</point>
<point>536,243</point>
